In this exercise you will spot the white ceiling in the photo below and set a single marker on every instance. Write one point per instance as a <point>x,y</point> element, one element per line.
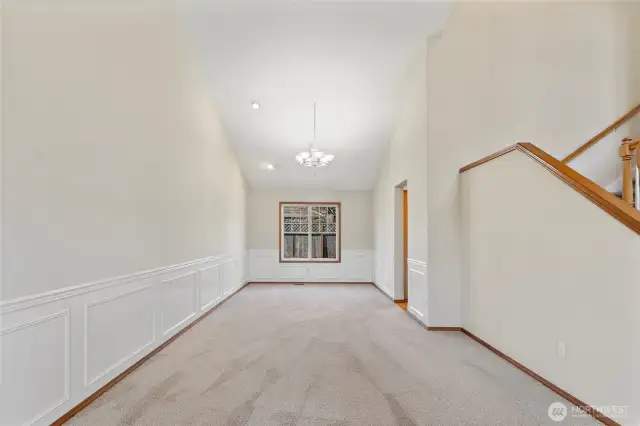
<point>348,57</point>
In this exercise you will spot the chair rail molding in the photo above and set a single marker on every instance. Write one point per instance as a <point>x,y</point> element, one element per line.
<point>24,302</point>
<point>95,331</point>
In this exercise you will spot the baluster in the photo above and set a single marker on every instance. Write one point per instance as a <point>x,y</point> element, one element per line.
<point>637,176</point>
<point>626,154</point>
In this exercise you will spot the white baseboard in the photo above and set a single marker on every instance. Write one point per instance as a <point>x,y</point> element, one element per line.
<point>95,331</point>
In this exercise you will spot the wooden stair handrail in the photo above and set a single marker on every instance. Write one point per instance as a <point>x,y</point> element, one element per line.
<point>603,134</point>
<point>608,202</point>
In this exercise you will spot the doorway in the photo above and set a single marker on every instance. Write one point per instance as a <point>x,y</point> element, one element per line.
<point>405,245</point>
<point>400,252</point>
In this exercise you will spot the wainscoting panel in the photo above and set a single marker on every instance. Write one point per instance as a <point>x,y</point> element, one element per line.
<point>263,265</point>
<point>356,266</point>
<point>228,274</point>
<point>35,358</point>
<point>178,301</point>
<point>210,286</point>
<point>418,291</point>
<point>127,311</point>
<point>330,272</point>
<point>293,272</point>
<point>59,347</point>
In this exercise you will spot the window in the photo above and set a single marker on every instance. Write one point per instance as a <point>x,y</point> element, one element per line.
<point>309,232</point>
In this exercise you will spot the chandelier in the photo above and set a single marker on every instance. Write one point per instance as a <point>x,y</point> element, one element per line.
<point>314,157</point>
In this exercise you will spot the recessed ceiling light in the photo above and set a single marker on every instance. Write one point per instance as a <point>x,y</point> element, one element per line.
<point>267,166</point>
<point>255,104</point>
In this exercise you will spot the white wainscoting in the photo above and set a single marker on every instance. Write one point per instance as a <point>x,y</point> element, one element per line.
<point>356,266</point>
<point>418,290</point>
<point>57,348</point>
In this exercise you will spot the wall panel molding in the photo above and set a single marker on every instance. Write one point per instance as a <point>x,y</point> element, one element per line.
<point>228,272</point>
<point>54,295</point>
<point>104,327</point>
<point>210,286</point>
<point>416,262</point>
<point>418,289</point>
<point>175,298</point>
<point>18,409</point>
<point>87,326</point>
<point>356,266</point>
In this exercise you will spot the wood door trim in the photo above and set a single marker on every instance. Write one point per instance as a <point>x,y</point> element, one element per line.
<point>405,243</point>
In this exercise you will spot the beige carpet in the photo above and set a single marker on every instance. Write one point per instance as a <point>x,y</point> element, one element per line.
<point>321,355</point>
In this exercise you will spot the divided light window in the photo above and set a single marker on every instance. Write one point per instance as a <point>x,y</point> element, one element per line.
<point>309,232</point>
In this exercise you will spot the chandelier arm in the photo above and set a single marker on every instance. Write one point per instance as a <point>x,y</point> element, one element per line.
<point>313,143</point>
<point>314,158</point>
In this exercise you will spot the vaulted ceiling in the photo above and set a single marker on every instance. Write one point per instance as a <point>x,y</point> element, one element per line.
<point>349,57</point>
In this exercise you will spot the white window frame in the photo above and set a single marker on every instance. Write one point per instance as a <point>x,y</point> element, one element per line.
<point>310,232</point>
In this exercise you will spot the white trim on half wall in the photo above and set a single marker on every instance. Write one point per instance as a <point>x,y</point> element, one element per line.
<point>94,332</point>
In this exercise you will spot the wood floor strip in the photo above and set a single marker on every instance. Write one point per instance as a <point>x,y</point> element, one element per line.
<point>85,403</point>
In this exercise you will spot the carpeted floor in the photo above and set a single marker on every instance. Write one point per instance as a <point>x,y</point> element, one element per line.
<point>321,355</point>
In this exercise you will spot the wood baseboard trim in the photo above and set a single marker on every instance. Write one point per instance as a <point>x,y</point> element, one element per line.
<point>310,282</point>
<point>572,399</point>
<point>86,402</point>
<point>444,328</point>
<point>567,396</point>
<point>426,327</point>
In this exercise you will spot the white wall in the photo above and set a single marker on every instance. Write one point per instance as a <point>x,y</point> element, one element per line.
<point>357,237</point>
<point>406,160</point>
<point>500,73</point>
<point>630,16</point>
<point>123,206</point>
<point>113,162</point>
<point>545,265</point>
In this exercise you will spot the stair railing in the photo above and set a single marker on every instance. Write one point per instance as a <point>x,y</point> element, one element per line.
<point>637,184</point>
<point>630,172</point>
<point>603,134</point>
